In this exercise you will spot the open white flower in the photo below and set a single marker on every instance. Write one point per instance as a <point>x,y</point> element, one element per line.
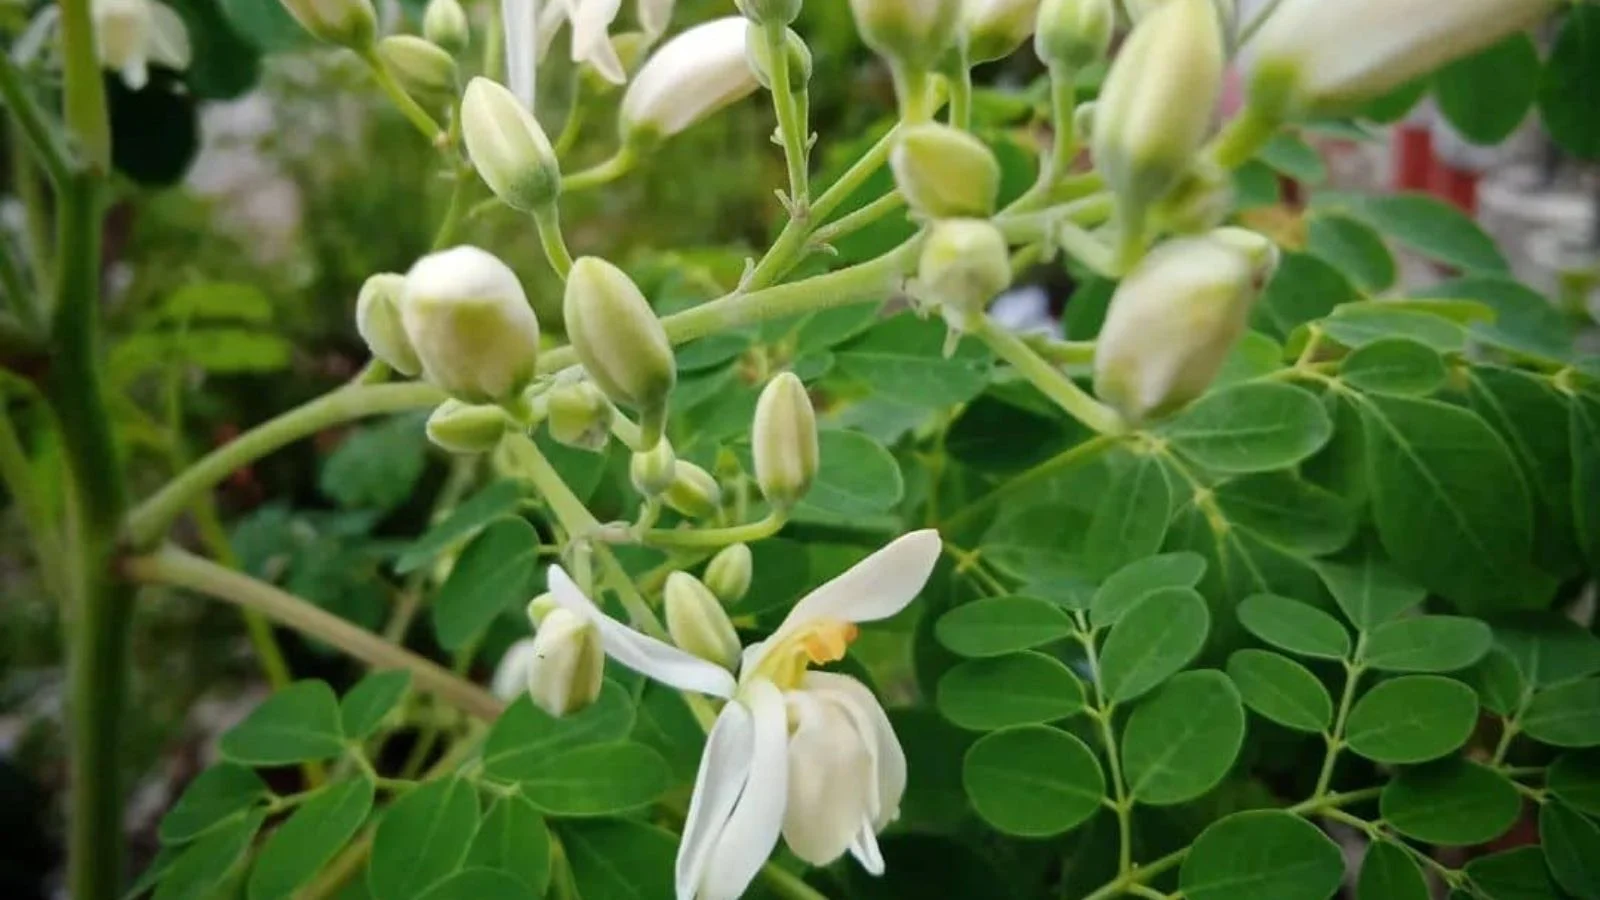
<point>591,37</point>
<point>133,34</point>
<point>806,755</point>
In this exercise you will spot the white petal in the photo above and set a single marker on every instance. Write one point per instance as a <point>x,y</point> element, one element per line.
<point>511,676</point>
<point>522,56</point>
<point>698,72</point>
<point>135,74</point>
<point>831,779</point>
<point>655,16</point>
<point>640,652</point>
<point>753,828</point>
<point>724,769</point>
<point>551,18</point>
<point>168,42</point>
<point>865,849</point>
<point>591,42</point>
<point>888,757</point>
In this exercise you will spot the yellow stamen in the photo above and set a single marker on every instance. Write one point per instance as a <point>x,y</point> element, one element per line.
<point>821,643</point>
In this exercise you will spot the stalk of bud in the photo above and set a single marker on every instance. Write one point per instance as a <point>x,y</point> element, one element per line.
<point>620,341</point>
<point>912,34</point>
<point>996,28</point>
<point>378,321</point>
<point>465,428</point>
<point>697,622</point>
<point>568,664</point>
<point>965,263</point>
<point>444,22</point>
<point>693,492</point>
<point>1074,34</point>
<point>653,470</point>
<point>692,76</point>
<point>509,149</point>
<point>348,23</point>
<point>784,442</point>
<point>424,69</point>
<point>470,323</point>
<point>1175,318</point>
<point>945,172</point>
<point>760,58</point>
<point>729,573</point>
<point>579,415</point>
<point>763,12</point>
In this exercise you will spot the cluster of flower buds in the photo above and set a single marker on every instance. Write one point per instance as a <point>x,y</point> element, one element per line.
<point>683,486</point>
<point>348,23</point>
<point>784,442</point>
<point>620,341</point>
<point>508,147</point>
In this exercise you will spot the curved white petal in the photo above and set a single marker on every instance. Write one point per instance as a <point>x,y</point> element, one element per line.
<point>752,830</point>
<point>168,41</point>
<point>724,769</point>
<point>865,849</point>
<point>518,19</point>
<point>698,72</point>
<point>551,17</point>
<point>511,676</point>
<point>591,40</point>
<point>640,652</point>
<point>655,16</point>
<point>831,779</point>
<point>888,757</point>
<point>135,74</point>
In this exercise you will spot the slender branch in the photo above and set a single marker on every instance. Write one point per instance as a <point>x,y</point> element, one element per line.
<point>791,127</point>
<point>455,210</point>
<point>1335,738</point>
<point>959,76</point>
<point>46,140</point>
<point>402,101</point>
<point>714,538</point>
<point>852,222</point>
<point>617,166</point>
<point>548,221</point>
<point>1102,713</point>
<point>1058,387</point>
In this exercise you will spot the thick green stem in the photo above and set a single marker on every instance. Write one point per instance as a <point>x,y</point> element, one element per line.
<point>548,221</point>
<point>791,127</point>
<point>714,538</point>
<point>1239,141</point>
<point>1049,380</point>
<point>861,218</point>
<point>960,77</point>
<point>916,103</point>
<point>84,91</point>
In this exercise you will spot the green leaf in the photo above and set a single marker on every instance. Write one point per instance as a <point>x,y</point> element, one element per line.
<point>1525,323</point>
<point>496,500</point>
<point>1288,512</point>
<point>377,466</point>
<point>995,626</point>
<point>1256,184</point>
<point>1427,644</point>
<point>1451,803</point>
<point>1281,689</point>
<point>1572,848</point>
<point>298,723</point>
<point>1443,479</point>
<point>1294,626</point>
<point>1488,94</point>
<point>1262,855</point>
<point>1358,324</point>
<point>493,574</point>
<point>1387,873</point>
<point>598,780</point>
<point>1134,582</point>
<point>213,797</point>
<point>525,736</point>
<point>1152,642</point>
<point>1251,428</point>
<point>618,859</point>
<point>1395,366</point>
<point>218,301</point>
<point>202,870</point>
<point>1429,226</point>
<point>1567,715</point>
<point>1033,544</point>
<point>478,884</point>
<point>664,722</point>
<point>858,477</point>
<point>1181,741</point>
<point>903,360</point>
<point>1033,781</point>
<point>1534,421</point>
<point>512,838</point>
<point>1304,289</point>
<point>1412,719</point>
<point>364,706</point>
<point>1548,648</point>
<point>1295,158</point>
<point>1355,248</point>
<point>422,839</point>
<point>1519,874</point>
<point>307,840</point>
<point>1567,100</point>
<point>1497,681</point>
<point>1575,778</point>
<point>1585,425</point>
<point>1131,518</point>
<point>1369,592</point>
<point>1394,105</point>
<point>1020,689</point>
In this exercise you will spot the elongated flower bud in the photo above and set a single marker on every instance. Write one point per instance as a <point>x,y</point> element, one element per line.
<point>729,573</point>
<point>910,33</point>
<point>697,622</point>
<point>378,321</point>
<point>1175,318</point>
<point>1074,34</point>
<point>568,665</point>
<point>465,428</point>
<point>784,441</point>
<point>965,263</point>
<point>511,152</point>
<point>653,470</point>
<point>579,415</point>
<point>761,63</point>
<point>996,28</point>
<point>692,76</point>
<point>620,341</point>
<point>348,23</point>
<point>945,172</point>
<point>469,320</point>
<point>444,22</point>
<point>1314,58</point>
<point>425,70</point>
<point>763,11</point>
<point>693,492</point>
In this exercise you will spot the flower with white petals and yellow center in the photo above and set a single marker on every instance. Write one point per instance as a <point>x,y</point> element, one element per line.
<point>803,754</point>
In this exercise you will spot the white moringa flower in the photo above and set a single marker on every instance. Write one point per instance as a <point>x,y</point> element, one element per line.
<point>591,36</point>
<point>806,755</point>
<point>519,19</point>
<point>132,34</point>
<point>692,76</point>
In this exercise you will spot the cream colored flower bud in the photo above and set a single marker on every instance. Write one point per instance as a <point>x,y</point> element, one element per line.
<point>620,341</point>
<point>729,573</point>
<point>426,70</point>
<point>763,11</point>
<point>784,441</point>
<point>568,665</point>
<point>1074,34</point>
<point>540,607</point>
<point>965,264</point>
<point>996,28</point>
<point>697,622</point>
<point>910,33</point>
<point>693,491</point>
<point>465,428</point>
<point>469,320</point>
<point>378,321</point>
<point>579,415</point>
<point>761,62</point>
<point>1315,58</point>
<point>511,152</point>
<point>1175,318</point>
<point>444,22</point>
<point>945,172</point>
<point>692,76</point>
<point>1157,104</point>
<point>654,470</point>
<point>348,23</point>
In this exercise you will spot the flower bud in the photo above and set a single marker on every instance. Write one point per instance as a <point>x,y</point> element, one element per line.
<point>996,28</point>
<point>945,172</point>
<point>764,11</point>
<point>445,23</point>
<point>910,33</point>
<point>568,665</point>
<point>425,70</point>
<point>1175,318</point>
<point>784,441</point>
<point>620,341</point>
<point>965,263</point>
<point>1314,58</point>
<point>348,23</point>
<point>465,428</point>
<point>469,320</point>
<point>1156,107</point>
<point>653,470</point>
<point>579,415</point>
<point>378,321</point>
<point>1074,34</point>
<point>692,76</point>
<point>540,607</point>
<point>511,152</point>
<point>729,572</point>
<point>693,492</point>
<point>697,622</point>
<point>760,60</point>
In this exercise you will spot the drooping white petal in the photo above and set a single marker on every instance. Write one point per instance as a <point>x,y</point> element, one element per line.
<point>888,757</point>
<point>724,769</point>
<point>655,16</point>
<point>551,17</point>
<point>640,652</point>
<point>519,21</point>
<point>865,849</point>
<point>830,779</point>
<point>591,38</point>
<point>753,828</point>
<point>511,676</point>
<point>168,42</point>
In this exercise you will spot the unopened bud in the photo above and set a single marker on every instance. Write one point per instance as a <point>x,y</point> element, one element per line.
<point>653,470</point>
<point>509,149</point>
<point>378,321</point>
<point>1139,9</point>
<point>1175,318</point>
<point>568,665</point>
<point>469,320</point>
<point>466,428</point>
<point>579,415</point>
<point>1074,34</point>
<point>620,341</point>
<point>965,263</point>
<point>996,28</point>
<point>426,71</point>
<point>444,22</point>
<point>760,58</point>
<point>697,622</point>
<point>784,441</point>
<point>540,607</point>
<point>945,172</point>
<point>765,11</point>
<point>693,492</point>
<point>910,33</point>
<point>729,573</point>
<point>692,76</point>
<point>348,23</point>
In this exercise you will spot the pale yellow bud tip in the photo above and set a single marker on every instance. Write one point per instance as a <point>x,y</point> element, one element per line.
<point>784,441</point>
<point>697,622</point>
<point>945,172</point>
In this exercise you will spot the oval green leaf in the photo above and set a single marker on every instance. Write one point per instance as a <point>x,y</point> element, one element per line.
<point>1138,580</point>
<point>364,706</point>
<point>995,626</point>
<point>1548,648</point>
<point>619,859</point>
<point>298,723</point>
<point>1355,248</point>
<point>205,866</point>
<point>1451,803</point>
<point>214,796</point>
<point>1497,681</point>
<point>1567,101</point>
<point>1262,855</point>
<point>1152,642</point>
<point>1288,512</point>
<point>1412,719</point>
<point>1520,874</point>
<point>1033,781</point>
<point>1427,644</point>
<point>1297,627</point>
<point>1367,589</point>
<point>1572,847</point>
<point>1131,518</point>
<point>1253,427</point>
<point>307,840</point>
<point>599,780</point>
<point>422,839</point>
<point>1182,740</point>
<point>1278,688</point>
<point>525,736</point>
<point>1020,689</point>
<point>479,884</point>
<point>1488,94</point>
<point>858,477</point>
<point>1395,366</point>
<point>1387,873</point>
<point>493,574</point>
<point>1567,715</point>
<point>1575,778</point>
<point>497,500</point>
<point>512,838</point>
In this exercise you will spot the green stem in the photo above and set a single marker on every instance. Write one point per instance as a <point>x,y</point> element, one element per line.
<point>455,211</point>
<point>1064,108</point>
<point>1102,713</point>
<point>571,129</point>
<point>1062,353</point>
<point>960,77</point>
<point>1084,247</point>
<point>791,128</point>
<point>402,101</point>
<point>1335,738</point>
<point>42,136</point>
<point>1067,460</point>
<point>620,164</point>
<point>861,218</point>
<point>911,86</point>
<point>715,538</point>
<point>548,220</point>
<point>1059,388</point>
<point>84,91</point>
<point>1239,141</point>
<point>788,884</point>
